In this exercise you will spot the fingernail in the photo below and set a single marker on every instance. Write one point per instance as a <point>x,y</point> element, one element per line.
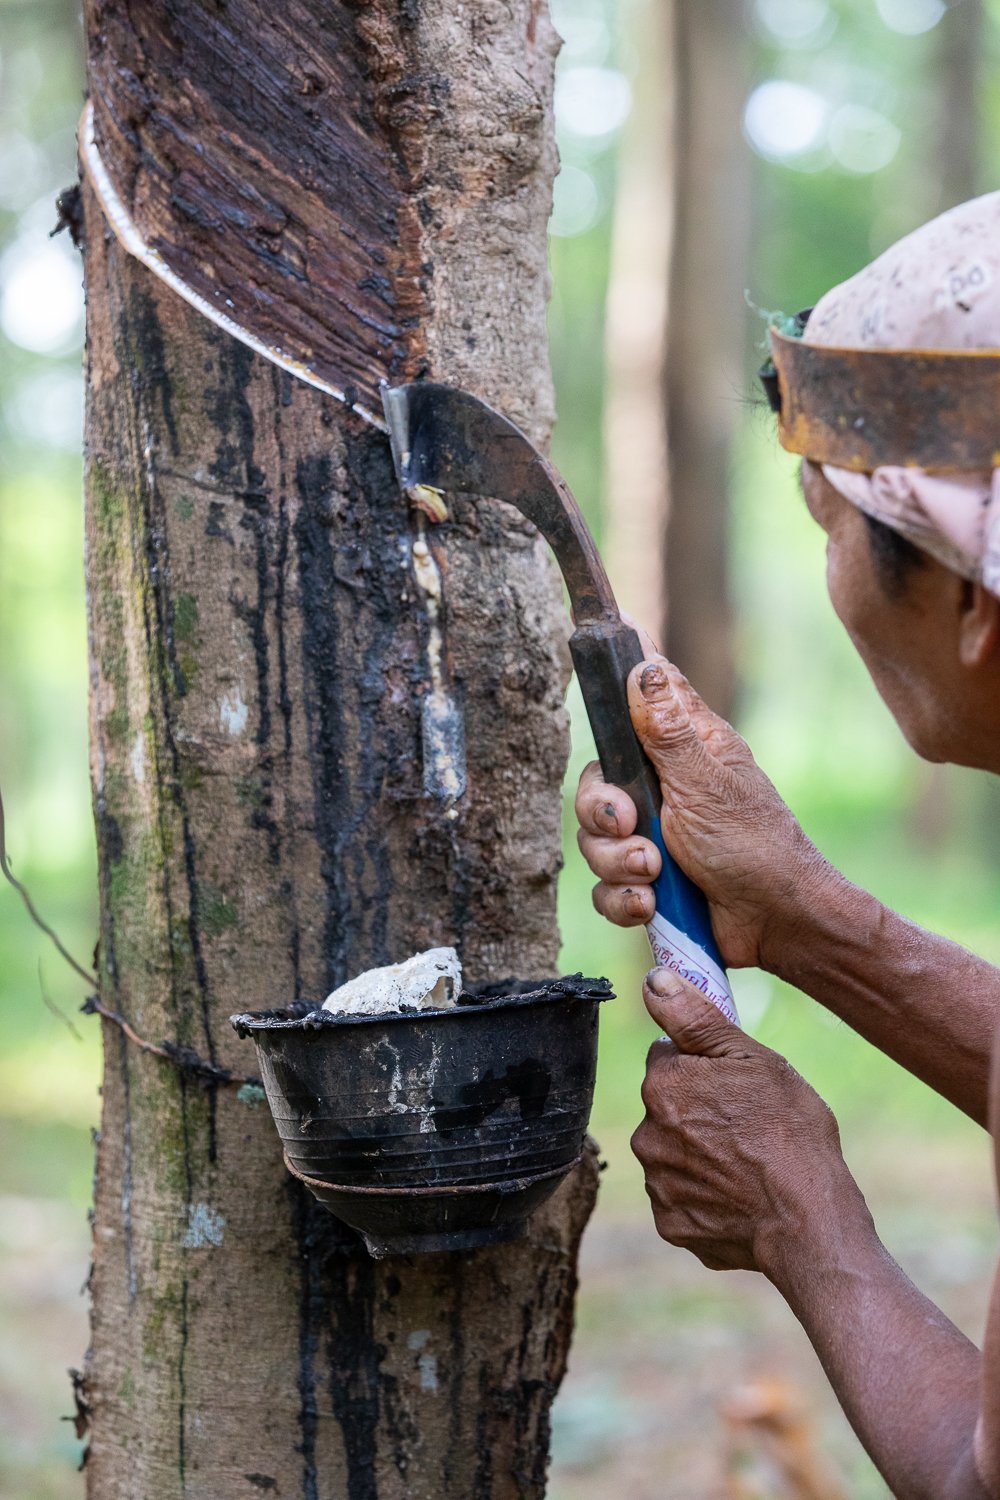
<point>653,683</point>
<point>608,818</point>
<point>636,862</point>
<point>665,983</point>
<point>634,905</point>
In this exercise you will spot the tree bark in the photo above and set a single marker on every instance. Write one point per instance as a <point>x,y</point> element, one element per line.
<point>258,659</point>
<point>704,341</point>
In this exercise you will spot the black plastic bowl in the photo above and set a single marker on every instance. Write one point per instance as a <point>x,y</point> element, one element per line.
<point>435,1130</point>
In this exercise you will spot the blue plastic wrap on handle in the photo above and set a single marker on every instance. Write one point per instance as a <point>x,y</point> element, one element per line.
<point>680,934</point>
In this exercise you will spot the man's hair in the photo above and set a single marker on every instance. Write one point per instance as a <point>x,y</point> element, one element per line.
<point>894,555</point>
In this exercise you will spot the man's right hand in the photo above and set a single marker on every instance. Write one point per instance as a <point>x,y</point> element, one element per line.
<point>723,822</point>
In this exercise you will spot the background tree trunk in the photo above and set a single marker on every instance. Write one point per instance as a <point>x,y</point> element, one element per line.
<point>961,47</point>
<point>258,655</point>
<point>956,147</point>
<point>635,429</point>
<point>705,354</point>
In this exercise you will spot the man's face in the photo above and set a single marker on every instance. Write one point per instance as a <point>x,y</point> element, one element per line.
<point>909,642</point>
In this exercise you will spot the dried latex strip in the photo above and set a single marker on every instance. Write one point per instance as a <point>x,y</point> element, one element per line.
<point>427,981</point>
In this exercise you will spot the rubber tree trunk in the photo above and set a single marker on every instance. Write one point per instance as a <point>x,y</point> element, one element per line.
<point>258,655</point>
<point>705,356</point>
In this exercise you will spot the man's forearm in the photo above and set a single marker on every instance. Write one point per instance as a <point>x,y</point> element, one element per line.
<point>907,1379</point>
<point>926,1002</point>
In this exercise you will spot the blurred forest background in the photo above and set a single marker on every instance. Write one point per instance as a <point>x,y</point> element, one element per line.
<point>716,154</point>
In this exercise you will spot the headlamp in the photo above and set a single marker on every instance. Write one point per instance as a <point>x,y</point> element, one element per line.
<point>864,409</point>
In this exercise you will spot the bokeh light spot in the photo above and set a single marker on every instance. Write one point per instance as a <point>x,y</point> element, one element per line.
<point>592,102</point>
<point>911,17</point>
<point>41,297</point>
<point>576,203</point>
<point>797,23</point>
<point>861,139</point>
<point>22,166</point>
<point>585,32</point>
<point>48,409</point>
<point>784,120</point>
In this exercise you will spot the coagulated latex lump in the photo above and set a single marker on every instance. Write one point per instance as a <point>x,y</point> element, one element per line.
<point>427,981</point>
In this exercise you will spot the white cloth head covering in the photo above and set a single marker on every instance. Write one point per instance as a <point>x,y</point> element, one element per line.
<point>939,288</point>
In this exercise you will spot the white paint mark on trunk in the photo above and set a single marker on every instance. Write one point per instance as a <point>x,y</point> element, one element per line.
<point>426,1362</point>
<point>233,713</point>
<point>138,757</point>
<point>205,1227</point>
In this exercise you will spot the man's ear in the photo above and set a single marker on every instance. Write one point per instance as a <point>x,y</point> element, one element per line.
<point>979,627</point>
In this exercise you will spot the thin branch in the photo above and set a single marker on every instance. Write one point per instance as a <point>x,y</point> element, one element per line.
<point>51,1005</point>
<point>184,1059</point>
<point>8,875</point>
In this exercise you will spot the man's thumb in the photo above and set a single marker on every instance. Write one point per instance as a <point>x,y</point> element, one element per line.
<point>661,719</point>
<point>689,1018</point>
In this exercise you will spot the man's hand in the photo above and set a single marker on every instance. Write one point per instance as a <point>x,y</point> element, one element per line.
<point>742,1158</point>
<point>743,1167</point>
<point>723,822</point>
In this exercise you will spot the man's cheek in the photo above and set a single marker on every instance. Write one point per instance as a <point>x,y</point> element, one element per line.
<point>835,583</point>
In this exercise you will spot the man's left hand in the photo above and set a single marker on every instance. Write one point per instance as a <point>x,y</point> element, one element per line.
<point>742,1158</point>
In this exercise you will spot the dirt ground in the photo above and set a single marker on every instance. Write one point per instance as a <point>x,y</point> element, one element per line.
<point>663,1347</point>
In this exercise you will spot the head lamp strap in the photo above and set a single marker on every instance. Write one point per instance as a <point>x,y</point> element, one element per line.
<point>863,409</point>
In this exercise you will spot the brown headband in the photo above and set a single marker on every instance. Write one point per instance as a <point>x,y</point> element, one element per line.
<point>865,409</point>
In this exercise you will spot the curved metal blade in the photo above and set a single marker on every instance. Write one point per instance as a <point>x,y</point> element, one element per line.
<point>449,440</point>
